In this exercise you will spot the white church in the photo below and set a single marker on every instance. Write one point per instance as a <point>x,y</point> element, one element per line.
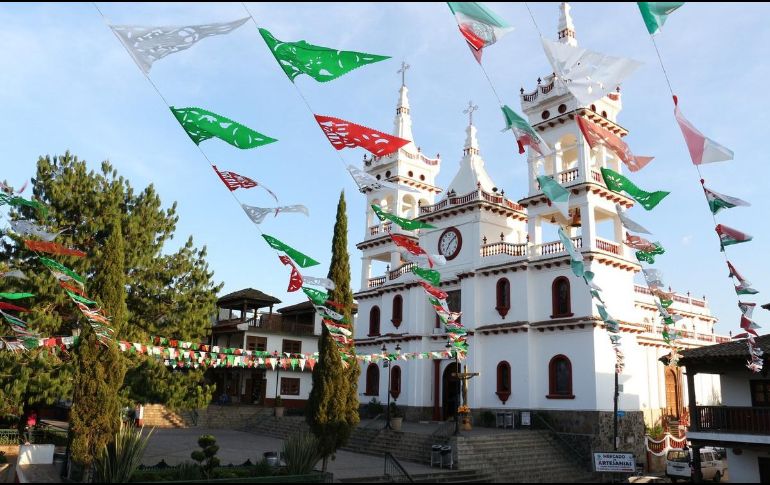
<point>535,337</point>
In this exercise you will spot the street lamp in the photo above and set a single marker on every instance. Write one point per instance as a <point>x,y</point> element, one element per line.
<point>459,385</point>
<point>277,368</point>
<point>386,365</point>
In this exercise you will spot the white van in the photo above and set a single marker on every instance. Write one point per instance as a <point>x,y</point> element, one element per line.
<point>678,465</point>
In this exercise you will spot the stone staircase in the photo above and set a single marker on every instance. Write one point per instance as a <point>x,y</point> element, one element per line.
<point>458,476</point>
<point>282,428</point>
<point>406,446</point>
<point>215,417</point>
<point>522,456</point>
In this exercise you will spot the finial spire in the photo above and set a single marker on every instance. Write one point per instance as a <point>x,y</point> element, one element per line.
<point>566,26</point>
<point>469,111</point>
<point>402,71</point>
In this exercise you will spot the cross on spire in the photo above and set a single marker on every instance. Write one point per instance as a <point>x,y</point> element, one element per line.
<point>469,111</point>
<point>402,71</point>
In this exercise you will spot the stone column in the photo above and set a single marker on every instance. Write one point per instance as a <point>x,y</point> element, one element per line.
<point>588,220</point>
<point>366,272</point>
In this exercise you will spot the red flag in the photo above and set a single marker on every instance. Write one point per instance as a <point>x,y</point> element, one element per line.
<point>235,181</point>
<point>639,243</point>
<point>432,290</point>
<point>344,134</point>
<point>52,248</point>
<point>295,280</point>
<point>8,306</point>
<point>73,289</point>
<point>596,135</point>
<point>411,246</point>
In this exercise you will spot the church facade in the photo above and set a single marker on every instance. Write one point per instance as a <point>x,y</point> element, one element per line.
<point>536,340</point>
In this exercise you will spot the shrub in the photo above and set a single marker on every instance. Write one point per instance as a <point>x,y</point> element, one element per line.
<point>301,453</point>
<point>488,419</point>
<point>207,455</point>
<point>374,408</point>
<point>118,460</point>
<point>395,411</point>
<point>3,458</point>
<point>263,469</point>
<point>186,471</point>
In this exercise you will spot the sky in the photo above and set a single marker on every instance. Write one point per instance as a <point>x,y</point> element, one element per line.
<point>67,84</point>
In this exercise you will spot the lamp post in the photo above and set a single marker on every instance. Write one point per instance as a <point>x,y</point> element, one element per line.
<point>277,374</point>
<point>386,365</point>
<point>459,386</point>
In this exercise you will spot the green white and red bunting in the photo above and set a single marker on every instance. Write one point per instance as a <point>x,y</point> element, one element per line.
<point>524,133</point>
<point>744,286</point>
<point>480,26</point>
<point>718,202</point>
<point>702,149</point>
<point>729,236</point>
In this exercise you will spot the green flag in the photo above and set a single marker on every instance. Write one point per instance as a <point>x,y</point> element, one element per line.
<point>718,201</point>
<point>649,255</point>
<point>201,125</point>
<point>619,183</point>
<point>16,201</point>
<point>321,63</point>
<point>430,275</point>
<point>302,260</point>
<point>316,296</point>
<point>15,296</point>
<point>408,224</point>
<point>576,258</point>
<point>524,133</point>
<point>656,13</point>
<point>558,195</point>
<point>57,266</point>
<point>80,299</point>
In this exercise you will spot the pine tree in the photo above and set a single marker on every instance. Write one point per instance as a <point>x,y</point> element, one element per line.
<point>100,368</point>
<point>169,294</point>
<point>333,404</point>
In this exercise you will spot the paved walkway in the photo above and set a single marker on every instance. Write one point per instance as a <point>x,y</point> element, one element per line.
<point>175,445</point>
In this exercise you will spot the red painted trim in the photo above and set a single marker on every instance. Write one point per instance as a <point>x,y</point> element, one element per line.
<point>374,321</point>
<point>372,380</point>
<point>555,298</point>
<point>552,391</point>
<point>398,311</point>
<point>503,384</point>
<point>503,301</point>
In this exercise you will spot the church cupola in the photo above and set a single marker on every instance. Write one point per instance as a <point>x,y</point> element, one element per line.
<point>566,26</point>
<point>472,175</point>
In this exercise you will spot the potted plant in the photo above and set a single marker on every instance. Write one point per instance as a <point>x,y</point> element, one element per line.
<point>278,407</point>
<point>465,415</point>
<point>374,408</point>
<point>396,417</point>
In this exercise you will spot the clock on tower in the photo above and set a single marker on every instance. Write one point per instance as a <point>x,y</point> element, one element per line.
<point>450,243</point>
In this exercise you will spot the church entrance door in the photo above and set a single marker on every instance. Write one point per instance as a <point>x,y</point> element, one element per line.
<point>450,392</point>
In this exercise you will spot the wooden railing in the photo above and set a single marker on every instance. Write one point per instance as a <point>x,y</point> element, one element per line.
<point>511,249</point>
<point>729,419</point>
<point>380,229</point>
<point>609,246</point>
<point>275,323</point>
<point>597,177</point>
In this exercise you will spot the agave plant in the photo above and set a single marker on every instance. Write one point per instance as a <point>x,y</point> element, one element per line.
<point>120,459</point>
<point>300,452</point>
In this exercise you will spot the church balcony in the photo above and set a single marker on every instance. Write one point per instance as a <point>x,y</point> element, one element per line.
<point>375,282</point>
<point>368,161</point>
<point>475,196</point>
<point>511,249</point>
<point>555,247</point>
<point>401,270</point>
<point>699,337</point>
<point>380,229</point>
<point>678,298</point>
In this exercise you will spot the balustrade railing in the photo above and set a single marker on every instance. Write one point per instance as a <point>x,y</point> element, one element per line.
<point>511,249</point>
<point>401,270</point>
<point>731,419</point>
<point>609,246</point>
<point>375,282</point>
<point>477,194</point>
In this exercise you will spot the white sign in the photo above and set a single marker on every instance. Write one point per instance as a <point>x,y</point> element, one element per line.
<point>615,462</point>
<point>526,418</point>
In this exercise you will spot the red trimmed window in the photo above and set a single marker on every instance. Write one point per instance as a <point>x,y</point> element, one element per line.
<point>395,381</point>
<point>398,310</point>
<point>560,298</point>
<point>289,386</point>
<point>372,380</point>
<point>374,321</point>
<point>560,378</point>
<point>503,381</point>
<point>503,293</point>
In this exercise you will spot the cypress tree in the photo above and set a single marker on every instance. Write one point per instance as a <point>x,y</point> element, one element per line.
<point>99,368</point>
<point>333,405</point>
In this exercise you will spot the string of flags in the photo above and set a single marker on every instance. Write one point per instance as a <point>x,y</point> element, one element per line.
<point>705,150</point>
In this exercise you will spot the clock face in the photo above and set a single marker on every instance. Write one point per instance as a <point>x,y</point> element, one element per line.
<point>450,243</point>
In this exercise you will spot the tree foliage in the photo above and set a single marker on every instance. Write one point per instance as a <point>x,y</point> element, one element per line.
<point>333,404</point>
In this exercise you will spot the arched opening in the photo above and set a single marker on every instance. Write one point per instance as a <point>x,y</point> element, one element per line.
<point>503,381</point>
<point>374,321</point>
<point>395,381</point>
<point>408,207</point>
<point>561,304</point>
<point>450,395</point>
<point>398,310</point>
<point>372,380</point>
<point>503,298</point>
<point>560,378</point>
<point>672,393</point>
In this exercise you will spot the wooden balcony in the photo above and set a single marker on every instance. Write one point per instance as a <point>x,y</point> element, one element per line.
<point>728,419</point>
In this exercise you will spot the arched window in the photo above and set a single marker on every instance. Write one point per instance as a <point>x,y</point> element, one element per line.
<point>560,378</point>
<point>560,298</point>
<point>395,381</point>
<point>398,310</point>
<point>374,321</point>
<point>503,297</point>
<point>503,381</point>
<point>372,380</point>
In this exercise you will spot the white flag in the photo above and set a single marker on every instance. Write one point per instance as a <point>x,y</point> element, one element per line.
<point>29,228</point>
<point>587,74</point>
<point>628,223</point>
<point>368,181</point>
<point>323,282</point>
<point>149,44</point>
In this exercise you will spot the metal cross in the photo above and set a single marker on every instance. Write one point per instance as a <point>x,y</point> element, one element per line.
<point>469,111</point>
<point>402,71</point>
